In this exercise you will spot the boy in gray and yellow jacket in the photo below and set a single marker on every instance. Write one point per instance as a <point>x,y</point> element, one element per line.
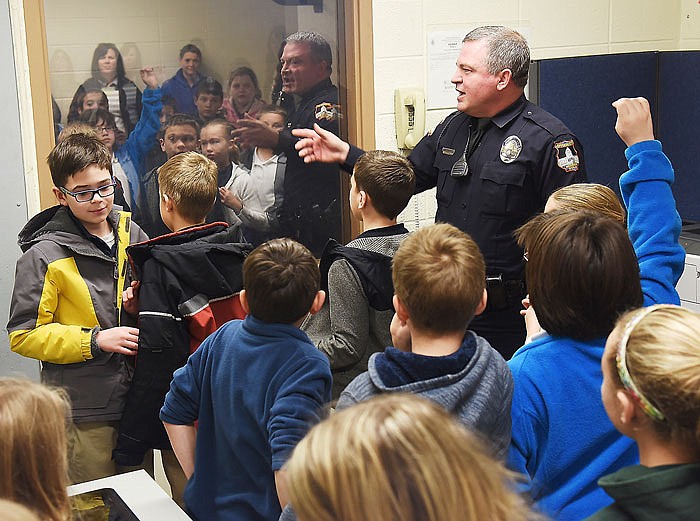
<point>66,306</point>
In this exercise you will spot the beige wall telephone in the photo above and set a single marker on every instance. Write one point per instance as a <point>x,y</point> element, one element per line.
<point>409,110</point>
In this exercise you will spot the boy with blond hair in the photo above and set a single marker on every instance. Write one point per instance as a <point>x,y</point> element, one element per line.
<point>189,286</point>
<point>354,322</point>
<point>67,306</point>
<point>440,285</point>
<point>255,387</point>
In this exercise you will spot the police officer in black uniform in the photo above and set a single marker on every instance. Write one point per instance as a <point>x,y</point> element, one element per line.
<point>310,211</point>
<point>494,162</point>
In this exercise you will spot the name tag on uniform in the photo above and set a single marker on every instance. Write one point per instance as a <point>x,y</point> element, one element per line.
<point>448,151</point>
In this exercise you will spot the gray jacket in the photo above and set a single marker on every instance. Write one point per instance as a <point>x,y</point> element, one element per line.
<point>347,328</point>
<point>479,396</point>
<point>65,285</point>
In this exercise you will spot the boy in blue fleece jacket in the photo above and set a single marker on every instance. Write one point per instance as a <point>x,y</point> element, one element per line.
<point>255,386</point>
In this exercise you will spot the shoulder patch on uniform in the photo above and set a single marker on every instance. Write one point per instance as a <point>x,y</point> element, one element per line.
<point>567,157</point>
<point>511,148</point>
<point>327,111</point>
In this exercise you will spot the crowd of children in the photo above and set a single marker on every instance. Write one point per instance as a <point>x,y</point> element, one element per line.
<point>226,347</point>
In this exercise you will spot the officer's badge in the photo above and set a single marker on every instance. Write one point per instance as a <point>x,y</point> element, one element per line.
<point>567,157</point>
<point>511,148</point>
<point>327,112</point>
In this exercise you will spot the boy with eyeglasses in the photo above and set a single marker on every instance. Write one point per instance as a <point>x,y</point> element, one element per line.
<point>66,308</point>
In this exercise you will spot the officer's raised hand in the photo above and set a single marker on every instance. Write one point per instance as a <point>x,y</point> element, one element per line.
<point>255,133</point>
<point>320,145</point>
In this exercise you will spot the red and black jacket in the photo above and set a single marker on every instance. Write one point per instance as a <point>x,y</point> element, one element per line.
<point>189,286</point>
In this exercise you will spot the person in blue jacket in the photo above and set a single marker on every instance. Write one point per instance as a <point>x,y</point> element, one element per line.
<point>181,86</point>
<point>128,160</point>
<point>583,271</point>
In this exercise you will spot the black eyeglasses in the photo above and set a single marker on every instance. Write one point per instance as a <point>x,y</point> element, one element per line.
<point>85,196</point>
<point>100,130</point>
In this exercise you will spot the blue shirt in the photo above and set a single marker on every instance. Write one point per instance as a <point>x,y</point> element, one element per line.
<point>180,90</point>
<point>562,438</point>
<point>256,388</point>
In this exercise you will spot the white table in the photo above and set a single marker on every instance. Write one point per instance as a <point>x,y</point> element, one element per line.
<point>142,495</point>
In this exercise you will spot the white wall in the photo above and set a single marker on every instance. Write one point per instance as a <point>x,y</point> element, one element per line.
<point>690,24</point>
<point>230,33</point>
<point>553,29</point>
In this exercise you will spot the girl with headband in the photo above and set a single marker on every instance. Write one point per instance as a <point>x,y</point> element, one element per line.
<point>651,393</point>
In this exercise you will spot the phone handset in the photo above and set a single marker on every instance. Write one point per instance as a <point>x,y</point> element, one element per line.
<point>409,109</point>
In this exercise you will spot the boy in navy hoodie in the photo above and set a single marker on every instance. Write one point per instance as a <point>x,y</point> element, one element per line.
<point>439,286</point>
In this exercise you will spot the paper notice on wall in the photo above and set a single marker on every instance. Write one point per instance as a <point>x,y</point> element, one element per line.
<point>443,50</point>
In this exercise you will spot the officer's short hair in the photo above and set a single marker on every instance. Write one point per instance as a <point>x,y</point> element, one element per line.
<point>388,179</point>
<point>320,48</point>
<point>508,49</point>
<point>190,180</point>
<point>281,279</point>
<point>582,272</point>
<point>440,276</point>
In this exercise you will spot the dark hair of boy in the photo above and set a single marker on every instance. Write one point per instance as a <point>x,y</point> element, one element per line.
<point>273,109</point>
<point>93,116</point>
<point>189,179</point>
<point>582,272</point>
<point>209,85</point>
<point>281,279</point>
<point>75,153</point>
<point>179,120</point>
<point>388,179</point>
<point>439,275</point>
<point>235,154</point>
<point>190,47</point>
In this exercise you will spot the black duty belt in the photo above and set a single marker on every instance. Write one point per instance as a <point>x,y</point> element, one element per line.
<point>504,293</point>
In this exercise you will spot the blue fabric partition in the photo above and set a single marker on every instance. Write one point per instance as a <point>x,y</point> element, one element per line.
<point>579,91</point>
<point>679,125</point>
